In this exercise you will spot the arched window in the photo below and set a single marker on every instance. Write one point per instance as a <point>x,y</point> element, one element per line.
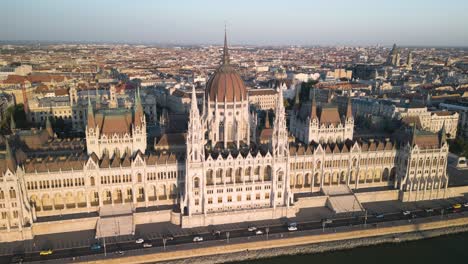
<point>196,183</point>
<point>209,177</point>
<point>92,181</point>
<point>12,193</point>
<point>267,174</point>
<point>280,176</point>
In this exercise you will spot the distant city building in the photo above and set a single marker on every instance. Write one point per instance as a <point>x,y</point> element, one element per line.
<point>393,58</point>
<point>20,70</point>
<point>263,99</point>
<point>226,163</point>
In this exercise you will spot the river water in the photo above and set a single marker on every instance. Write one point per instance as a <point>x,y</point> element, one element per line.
<point>439,250</point>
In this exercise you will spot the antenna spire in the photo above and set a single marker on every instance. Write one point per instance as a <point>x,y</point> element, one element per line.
<point>225,49</point>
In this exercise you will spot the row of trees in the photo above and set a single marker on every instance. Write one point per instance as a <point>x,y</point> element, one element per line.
<point>19,117</point>
<point>60,126</point>
<point>304,93</point>
<point>459,146</point>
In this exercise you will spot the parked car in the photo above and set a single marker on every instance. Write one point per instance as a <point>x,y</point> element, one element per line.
<point>252,228</point>
<point>429,210</point>
<point>380,216</point>
<point>461,162</point>
<point>292,227</point>
<point>139,241</point>
<point>198,239</point>
<point>216,233</point>
<point>457,206</point>
<point>147,244</point>
<point>96,247</point>
<point>46,252</point>
<point>120,253</point>
<point>406,212</point>
<point>327,221</point>
<point>259,232</point>
<point>465,204</point>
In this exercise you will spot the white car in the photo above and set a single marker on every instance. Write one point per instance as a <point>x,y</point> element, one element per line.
<point>406,212</point>
<point>465,204</point>
<point>252,228</point>
<point>147,245</point>
<point>259,232</point>
<point>198,239</point>
<point>292,228</point>
<point>139,241</point>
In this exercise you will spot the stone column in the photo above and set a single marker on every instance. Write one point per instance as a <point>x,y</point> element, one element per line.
<point>88,205</point>
<point>145,193</point>
<point>100,198</point>
<point>112,196</point>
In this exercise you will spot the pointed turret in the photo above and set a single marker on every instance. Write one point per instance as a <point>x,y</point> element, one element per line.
<point>138,109</point>
<point>91,122</point>
<point>98,98</point>
<point>280,134</point>
<point>49,128</point>
<point>443,135</point>
<point>413,135</point>
<point>225,49</point>
<point>313,107</point>
<point>10,159</point>
<point>195,131</point>
<point>193,104</point>
<point>349,111</point>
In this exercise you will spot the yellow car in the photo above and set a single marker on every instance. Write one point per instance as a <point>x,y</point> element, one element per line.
<point>457,206</point>
<point>45,252</point>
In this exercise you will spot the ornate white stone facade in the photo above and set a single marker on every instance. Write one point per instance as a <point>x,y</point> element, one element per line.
<point>223,176</point>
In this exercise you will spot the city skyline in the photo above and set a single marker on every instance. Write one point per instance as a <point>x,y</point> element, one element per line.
<point>306,23</point>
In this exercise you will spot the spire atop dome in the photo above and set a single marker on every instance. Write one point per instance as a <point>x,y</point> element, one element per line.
<point>225,49</point>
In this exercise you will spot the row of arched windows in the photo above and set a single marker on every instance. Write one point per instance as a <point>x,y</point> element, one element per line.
<point>11,192</point>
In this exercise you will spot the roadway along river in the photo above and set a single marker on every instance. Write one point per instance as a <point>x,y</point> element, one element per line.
<point>443,249</point>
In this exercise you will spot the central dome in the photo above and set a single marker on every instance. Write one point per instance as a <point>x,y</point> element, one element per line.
<point>226,85</point>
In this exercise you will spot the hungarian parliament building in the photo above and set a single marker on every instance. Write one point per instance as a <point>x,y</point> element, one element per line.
<point>229,166</point>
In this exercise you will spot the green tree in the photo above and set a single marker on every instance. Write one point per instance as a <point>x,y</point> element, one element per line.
<point>306,87</point>
<point>17,111</point>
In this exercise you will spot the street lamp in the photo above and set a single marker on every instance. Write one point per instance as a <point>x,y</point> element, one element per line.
<point>164,243</point>
<point>365,218</point>
<point>105,250</point>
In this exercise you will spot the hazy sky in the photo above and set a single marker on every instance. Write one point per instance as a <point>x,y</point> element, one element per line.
<point>263,22</point>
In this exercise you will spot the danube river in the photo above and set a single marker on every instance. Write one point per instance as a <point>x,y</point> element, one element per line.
<point>443,249</point>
